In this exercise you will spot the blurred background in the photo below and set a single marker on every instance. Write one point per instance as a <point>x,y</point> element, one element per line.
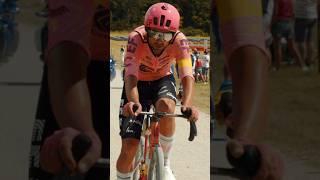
<point>20,76</point>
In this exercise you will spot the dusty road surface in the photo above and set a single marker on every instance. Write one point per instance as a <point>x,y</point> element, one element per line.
<point>190,160</point>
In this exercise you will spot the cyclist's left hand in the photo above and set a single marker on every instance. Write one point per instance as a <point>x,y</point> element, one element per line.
<point>272,165</point>
<point>132,109</point>
<point>56,152</point>
<point>194,115</point>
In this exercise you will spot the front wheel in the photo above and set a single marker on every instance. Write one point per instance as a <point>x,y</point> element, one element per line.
<point>156,167</point>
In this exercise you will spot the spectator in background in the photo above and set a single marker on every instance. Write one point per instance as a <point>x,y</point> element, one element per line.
<point>193,57</point>
<point>196,53</point>
<point>193,62</point>
<point>205,69</point>
<point>44,11</point>
<point>122,53</point>
<point>306,19</point>
<point>282,27</point>
<point>267,12</point>
<point>198,68</point>
<point>267,8</point>
<point>122,50</point>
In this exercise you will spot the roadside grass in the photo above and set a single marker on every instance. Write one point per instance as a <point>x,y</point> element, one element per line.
<point>201,98</point>
<point>294,118</point>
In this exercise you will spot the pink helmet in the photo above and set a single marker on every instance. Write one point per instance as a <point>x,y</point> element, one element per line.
<point>162,16</point>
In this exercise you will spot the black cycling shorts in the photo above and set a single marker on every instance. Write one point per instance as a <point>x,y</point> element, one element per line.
<point>45,123</point>
<point>149,93</point>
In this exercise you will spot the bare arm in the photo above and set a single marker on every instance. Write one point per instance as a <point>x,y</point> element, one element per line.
<point>67,67</point>
<point>187,83</point>
<point>250,97</point>
<point>131,88</point>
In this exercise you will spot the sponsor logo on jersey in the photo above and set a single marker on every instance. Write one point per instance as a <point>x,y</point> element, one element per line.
<point>145,68</point>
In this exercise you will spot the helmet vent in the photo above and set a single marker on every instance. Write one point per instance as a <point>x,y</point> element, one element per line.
<point>155,21</point>
<point>164,7</point>
<point>168,23</point>
<point>162,20</point>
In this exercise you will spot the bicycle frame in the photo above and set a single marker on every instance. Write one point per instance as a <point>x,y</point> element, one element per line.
<point>151,139</point>
<point>151,134</point>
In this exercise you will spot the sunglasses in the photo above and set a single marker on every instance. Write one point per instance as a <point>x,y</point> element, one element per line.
<point>163,36</point>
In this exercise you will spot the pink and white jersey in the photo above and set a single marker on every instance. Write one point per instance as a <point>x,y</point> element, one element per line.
<point>142,63</point>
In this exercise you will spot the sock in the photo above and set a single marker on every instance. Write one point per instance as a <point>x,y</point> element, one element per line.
<point>166,144</point>
<point>124,176</point>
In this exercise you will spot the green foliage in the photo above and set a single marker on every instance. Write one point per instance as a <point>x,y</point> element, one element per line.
<point>128,14</point>
<point>190,31</point>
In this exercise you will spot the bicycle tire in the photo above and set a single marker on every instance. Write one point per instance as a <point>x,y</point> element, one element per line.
<point>156,166</point>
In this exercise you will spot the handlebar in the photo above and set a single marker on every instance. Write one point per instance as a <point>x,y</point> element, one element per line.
<point>81,145</point>
<point>186,114</point>
<point>158,115</point>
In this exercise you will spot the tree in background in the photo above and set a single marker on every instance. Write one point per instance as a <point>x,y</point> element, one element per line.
<point>195,14</point>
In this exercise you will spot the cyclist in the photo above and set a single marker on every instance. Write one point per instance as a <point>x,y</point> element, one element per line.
<point>248,61</point>
<point>74,92</point>
<point>151,50</point>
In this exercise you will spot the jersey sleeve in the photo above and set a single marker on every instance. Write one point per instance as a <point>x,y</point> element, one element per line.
<point>131,59</point>
<point>70,21</point>
<point>183,57</point>
<point>241,24</point>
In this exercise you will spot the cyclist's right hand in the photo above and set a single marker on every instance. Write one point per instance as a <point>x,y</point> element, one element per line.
<point>132,109</point>
<point>56,152</point>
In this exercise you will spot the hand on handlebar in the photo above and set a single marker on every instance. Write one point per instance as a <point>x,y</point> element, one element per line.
<point>272,165</point>
<point>190,112</point>
<point>56,153</point>
<point>266,165</point>
<point>132,109</point>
